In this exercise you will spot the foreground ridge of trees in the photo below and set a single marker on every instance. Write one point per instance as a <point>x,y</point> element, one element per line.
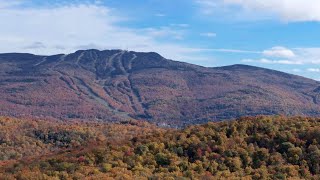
<point>248,148</point>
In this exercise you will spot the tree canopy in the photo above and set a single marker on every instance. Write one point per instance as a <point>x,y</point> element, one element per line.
<point>250,148</point>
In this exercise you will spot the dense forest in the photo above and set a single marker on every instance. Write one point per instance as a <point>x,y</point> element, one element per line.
<point>247,148</point>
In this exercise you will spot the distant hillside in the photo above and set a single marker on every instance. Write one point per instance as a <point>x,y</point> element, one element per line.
<point>249,148</point>
<point>115,85</point>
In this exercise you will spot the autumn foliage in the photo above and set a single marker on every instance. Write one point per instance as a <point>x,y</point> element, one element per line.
<point>249,148</point>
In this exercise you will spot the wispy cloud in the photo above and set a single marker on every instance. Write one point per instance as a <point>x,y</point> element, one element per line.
<point>68,27</point>
<point>314,70</point>
<point>270,61</point>
<point>209,34</point>
<point>160,15</point>
<point>164,32</point>
<point>208,6</point>
<point>233,51</point>
<point>290,11</point>
<point>293,56</point>
<point>181,25</point>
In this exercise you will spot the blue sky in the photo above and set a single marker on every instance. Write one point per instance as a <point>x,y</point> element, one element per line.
<point>277,34</point>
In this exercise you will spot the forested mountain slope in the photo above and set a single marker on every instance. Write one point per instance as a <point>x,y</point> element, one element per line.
<point>115,85</point>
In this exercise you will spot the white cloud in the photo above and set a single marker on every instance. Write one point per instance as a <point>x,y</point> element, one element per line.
<point>66,28</point>
<point>313,70</point>
<point>164,32</point>
<point>288,10</point>
<point>293,56</point>
<point>308,55</point>
<point>270,61</point>
<point>209,34</point>
<point>279,52</point>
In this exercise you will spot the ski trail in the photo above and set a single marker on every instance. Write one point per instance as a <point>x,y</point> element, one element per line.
<point>134,95</point>
<point>130,62</point>
<point>62,58</point>
<point>100,100</point>
<point>79,58</point>
<point>111,62</point>
<point>120,63</point>
<point>42,61</point>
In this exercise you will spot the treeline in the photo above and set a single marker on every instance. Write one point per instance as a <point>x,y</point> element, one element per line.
<point>248,148</point>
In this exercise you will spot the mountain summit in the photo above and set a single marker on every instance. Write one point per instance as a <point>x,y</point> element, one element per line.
<point>115,85</point>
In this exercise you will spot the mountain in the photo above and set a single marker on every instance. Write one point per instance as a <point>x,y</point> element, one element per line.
<point>114,85</point>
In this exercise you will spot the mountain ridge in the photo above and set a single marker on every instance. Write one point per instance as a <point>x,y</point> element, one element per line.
<point>113,85</point>
<point>237,66</point>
